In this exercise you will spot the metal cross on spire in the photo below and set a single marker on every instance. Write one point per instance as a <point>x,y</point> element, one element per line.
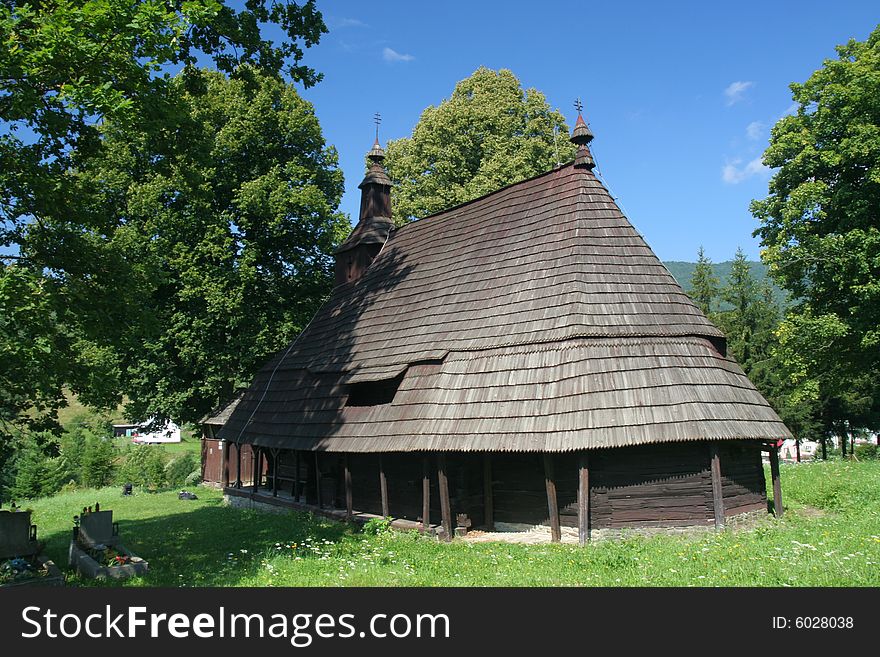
<point>578,105</point>
<point>377,119</point>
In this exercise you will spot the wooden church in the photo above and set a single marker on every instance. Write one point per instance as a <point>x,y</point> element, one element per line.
<point>521,359</point>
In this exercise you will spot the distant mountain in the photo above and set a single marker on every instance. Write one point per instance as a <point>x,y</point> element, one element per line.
<point>682,271</point>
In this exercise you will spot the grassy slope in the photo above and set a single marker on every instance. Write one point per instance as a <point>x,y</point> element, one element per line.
<point>203,543</point>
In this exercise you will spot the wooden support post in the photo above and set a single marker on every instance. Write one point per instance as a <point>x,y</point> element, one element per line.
<point>349,506</point>
<point>717,491</point>
<point>383,489</point>
<point>238,465</point>
<point>296,488</point>
<point>275,453</point>
<point>443,486</point>
<point>318,480</point>
<point>552,505</point>
<point>488,500</point>
<point>777,485</point>
<point>584,498</point>
<point>258,467</point>
<point>225,457</point>
<point>426,494</point>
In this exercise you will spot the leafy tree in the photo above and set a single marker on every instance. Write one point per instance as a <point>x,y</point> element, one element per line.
<point>68,64</point>
<point>143,465</point>
<point>207,244</point>
<point>821,232</point>
<point>704,283</point>
<point>67,68</point>
<point>488,134</point>
<point>97,461</point>
<point>32,351</point>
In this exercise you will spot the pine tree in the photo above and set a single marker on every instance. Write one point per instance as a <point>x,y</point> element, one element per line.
<point>704,283</point>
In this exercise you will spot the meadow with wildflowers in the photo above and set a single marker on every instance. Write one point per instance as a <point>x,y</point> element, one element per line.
<point>829,536</point>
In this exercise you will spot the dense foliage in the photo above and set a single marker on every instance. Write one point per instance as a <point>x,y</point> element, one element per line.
<point>489,133</point>
<point>219,230</point>
<point>150,222</point>
<point>820,227</point>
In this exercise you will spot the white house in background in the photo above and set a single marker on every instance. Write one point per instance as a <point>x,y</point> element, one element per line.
<point>149,432</point>
<point>788,451</point>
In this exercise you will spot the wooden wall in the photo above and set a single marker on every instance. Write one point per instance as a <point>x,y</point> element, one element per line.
<point>653,485</point>
<point>212,461</point>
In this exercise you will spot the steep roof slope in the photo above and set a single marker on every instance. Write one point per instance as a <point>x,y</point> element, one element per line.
<point>534,318</point>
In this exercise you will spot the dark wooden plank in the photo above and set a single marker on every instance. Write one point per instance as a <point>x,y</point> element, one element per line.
<point>717,491</point>
<point>238,465</point>
<point>443,485</point>
<point>318,480</point>
<point>226,448</point>
<point>348,498</point>
<point>552,505</point>
<point>383,489</point>
<point>426,494</point>
<point>296,488</point>
<point>583,503</point>
<point>274,473</point>
<point>777,485</point>
<point>488,501</point>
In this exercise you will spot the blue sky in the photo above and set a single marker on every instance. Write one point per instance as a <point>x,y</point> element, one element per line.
<point>680,95</point>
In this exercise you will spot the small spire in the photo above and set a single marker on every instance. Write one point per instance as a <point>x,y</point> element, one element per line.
<point>581,136</point>
<point>376,153</point>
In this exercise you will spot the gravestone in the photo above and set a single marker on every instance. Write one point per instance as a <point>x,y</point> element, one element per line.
<point>96,537</point>
<point>98,528</point>
<point>18,537</point>
<point>18,544</point>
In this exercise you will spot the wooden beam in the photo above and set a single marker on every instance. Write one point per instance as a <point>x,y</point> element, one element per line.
<point>296,488</point>
<point>275,453</point>
<point>488,500</point>
<point>383,489</point>
<point>777,484</point>
<point>225,463</point>
<point>552,503</point>
<point>426,494</point>
<point>238,465</point>
<point>717,491</point>
<point>584,498</point>
<point>443,485</point>
<point>349,511</point>
<point>258,467</point>
<point>318,481</point>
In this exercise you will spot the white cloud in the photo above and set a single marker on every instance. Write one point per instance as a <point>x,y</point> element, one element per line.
<point>735,91</point>
<point>791,110</point>
<point>755,130</point>
<point>733,174</point>
<point>390,55</point>
<point>338,23</point>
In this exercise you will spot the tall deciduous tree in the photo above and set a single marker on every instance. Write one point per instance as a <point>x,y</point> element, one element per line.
<point>66,68</point>
<point>218,231</point>
<point>68,64</point>
<point>820,227</point>
<point>488,134</point>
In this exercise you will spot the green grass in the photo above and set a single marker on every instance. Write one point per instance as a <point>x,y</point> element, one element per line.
<point>829,536</point>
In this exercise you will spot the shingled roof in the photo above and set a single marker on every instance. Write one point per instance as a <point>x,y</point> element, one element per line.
<point>535,318</point>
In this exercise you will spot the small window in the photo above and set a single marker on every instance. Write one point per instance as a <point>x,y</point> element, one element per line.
<point>373,393</point>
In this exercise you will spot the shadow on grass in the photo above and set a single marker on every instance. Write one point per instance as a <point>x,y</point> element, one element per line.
<point>210,545</point>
